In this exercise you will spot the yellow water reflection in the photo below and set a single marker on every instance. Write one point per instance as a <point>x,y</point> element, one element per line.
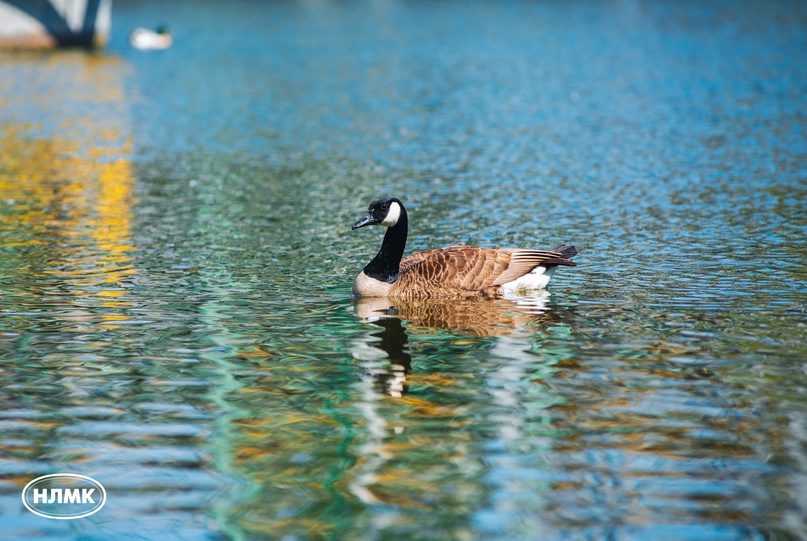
<point>66,179</point>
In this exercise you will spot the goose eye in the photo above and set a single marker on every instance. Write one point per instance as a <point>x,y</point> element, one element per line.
<point>384,206</point>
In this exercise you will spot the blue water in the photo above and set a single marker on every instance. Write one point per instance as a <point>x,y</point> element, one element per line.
<point>176,261</point>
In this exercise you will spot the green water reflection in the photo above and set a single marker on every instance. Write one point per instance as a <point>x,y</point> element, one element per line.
<point>191,377</point>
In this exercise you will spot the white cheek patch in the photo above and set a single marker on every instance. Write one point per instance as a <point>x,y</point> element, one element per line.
<point>393,215</point>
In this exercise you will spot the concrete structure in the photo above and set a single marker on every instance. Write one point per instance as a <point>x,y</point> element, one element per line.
<point>54,23</point>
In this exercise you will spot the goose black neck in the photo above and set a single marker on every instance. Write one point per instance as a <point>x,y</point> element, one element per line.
<point>386,264</point>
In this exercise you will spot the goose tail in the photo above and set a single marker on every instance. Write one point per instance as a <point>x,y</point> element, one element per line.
<point>567,252</point>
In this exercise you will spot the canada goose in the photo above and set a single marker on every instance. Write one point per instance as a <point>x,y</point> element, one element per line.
<point>456,271</point>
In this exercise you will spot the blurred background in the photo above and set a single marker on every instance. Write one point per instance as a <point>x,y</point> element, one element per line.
<point>176,261</point>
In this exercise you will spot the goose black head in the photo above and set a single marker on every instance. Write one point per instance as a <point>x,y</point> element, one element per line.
<point>386,211</point>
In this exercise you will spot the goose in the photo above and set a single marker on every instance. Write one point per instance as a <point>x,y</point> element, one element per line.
<point>456,271</point>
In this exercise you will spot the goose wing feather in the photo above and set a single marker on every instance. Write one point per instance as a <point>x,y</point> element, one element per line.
<point>524,261</point>
<point>468,268</point>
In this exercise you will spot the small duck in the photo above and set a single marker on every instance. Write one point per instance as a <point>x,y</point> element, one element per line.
<point>151,40</point>
<point>456,271</point>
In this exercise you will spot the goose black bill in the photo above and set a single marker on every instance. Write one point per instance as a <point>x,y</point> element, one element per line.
<point>367,219</point>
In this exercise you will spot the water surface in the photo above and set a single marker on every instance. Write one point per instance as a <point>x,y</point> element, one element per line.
<point>176,260</point>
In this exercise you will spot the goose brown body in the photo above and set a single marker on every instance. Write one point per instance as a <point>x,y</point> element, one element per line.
<point>455,271</point>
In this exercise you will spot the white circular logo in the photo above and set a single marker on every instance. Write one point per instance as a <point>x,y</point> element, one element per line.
<point>64,496</point>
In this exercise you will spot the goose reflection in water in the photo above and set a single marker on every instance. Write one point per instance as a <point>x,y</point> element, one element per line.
<point>473,317</point>
<point>499,332</point>
<point>393,343</point>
